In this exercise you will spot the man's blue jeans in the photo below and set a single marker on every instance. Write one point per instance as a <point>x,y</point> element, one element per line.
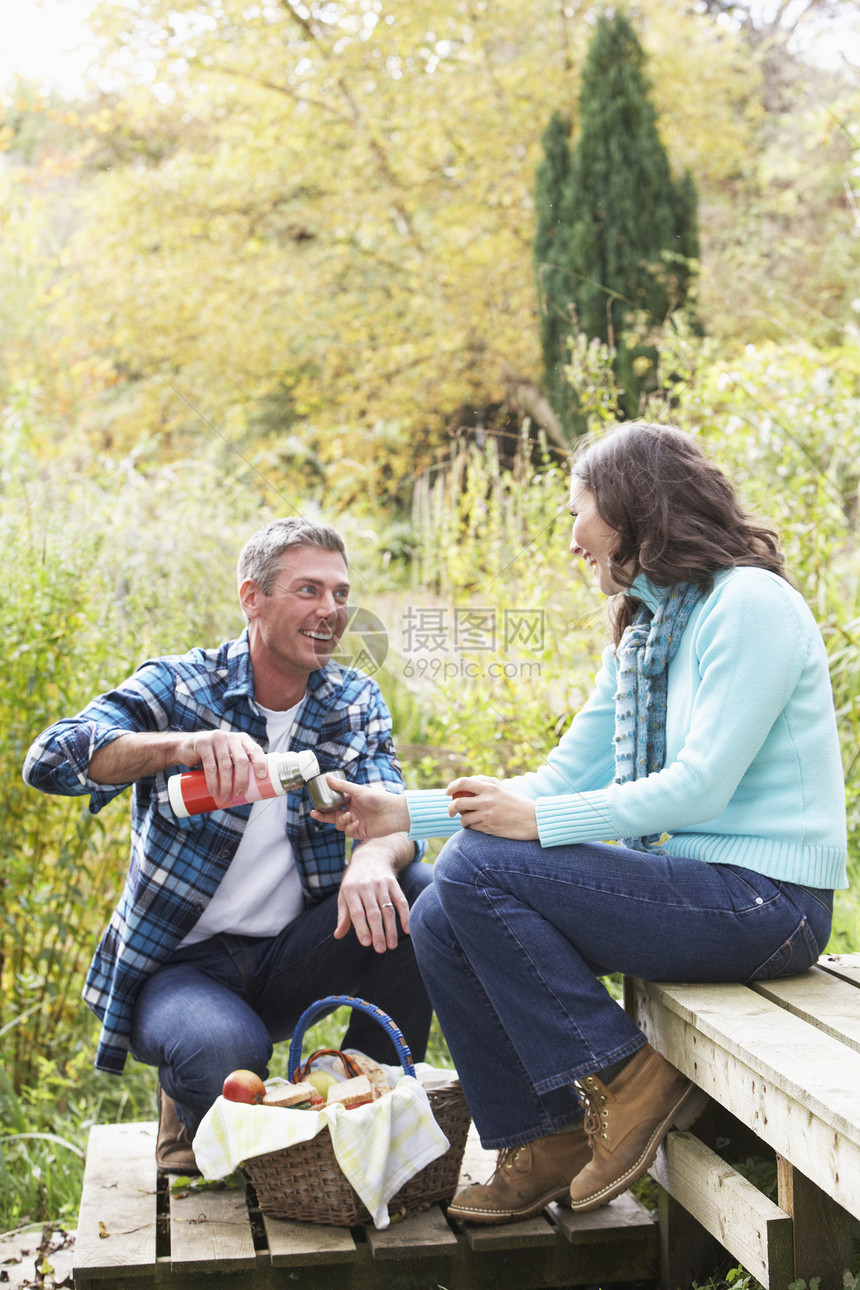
<point>512,937</point>
<point>220,1005</point>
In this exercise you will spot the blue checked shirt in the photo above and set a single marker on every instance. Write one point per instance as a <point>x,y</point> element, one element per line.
<point>176,865</point>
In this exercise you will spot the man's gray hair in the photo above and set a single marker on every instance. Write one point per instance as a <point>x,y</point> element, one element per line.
<point>261,554</point>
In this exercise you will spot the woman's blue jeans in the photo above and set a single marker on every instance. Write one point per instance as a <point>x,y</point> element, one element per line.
<point>220,1005</point>
<point>512,938</point>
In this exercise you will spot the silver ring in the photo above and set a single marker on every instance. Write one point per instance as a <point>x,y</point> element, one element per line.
<point>389,904</point>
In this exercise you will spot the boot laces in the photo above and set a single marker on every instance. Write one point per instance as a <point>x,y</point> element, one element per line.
<point>505,1158</point>
<point>595,1117</point>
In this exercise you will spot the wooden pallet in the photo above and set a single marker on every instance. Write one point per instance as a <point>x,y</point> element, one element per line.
<point>134,1233</point>
<point>782,1059</point>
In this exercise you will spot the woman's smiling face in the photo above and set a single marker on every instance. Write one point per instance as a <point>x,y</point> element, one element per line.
<point>592,537</point>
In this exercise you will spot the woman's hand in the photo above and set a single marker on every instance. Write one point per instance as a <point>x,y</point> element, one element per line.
<point>370,811</point>
<point>489,806</point>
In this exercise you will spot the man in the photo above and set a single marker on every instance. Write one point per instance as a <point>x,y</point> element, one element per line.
<point>231,923</point>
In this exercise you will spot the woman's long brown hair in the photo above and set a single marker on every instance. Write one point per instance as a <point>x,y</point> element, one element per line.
<point>676,515</point>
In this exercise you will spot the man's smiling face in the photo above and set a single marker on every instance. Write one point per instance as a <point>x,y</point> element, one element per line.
<point>296,628</point>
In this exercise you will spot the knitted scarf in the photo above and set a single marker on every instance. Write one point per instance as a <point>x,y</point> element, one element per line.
<point>644,653</point>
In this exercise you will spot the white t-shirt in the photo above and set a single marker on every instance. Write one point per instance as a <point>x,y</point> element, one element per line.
<point>261,892</point>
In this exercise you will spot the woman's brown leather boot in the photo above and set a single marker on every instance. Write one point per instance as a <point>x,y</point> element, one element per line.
<point>526,1178</point>
<point>627,1120</point>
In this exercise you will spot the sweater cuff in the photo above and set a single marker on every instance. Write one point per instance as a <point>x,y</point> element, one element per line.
<point>428,814</point>
<point>574,817</point>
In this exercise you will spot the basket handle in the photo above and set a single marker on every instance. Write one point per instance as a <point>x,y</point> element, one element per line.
<point>328,1004</point>
<point>349,1064</point>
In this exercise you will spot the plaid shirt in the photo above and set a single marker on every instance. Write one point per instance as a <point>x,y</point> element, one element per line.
<point>176,865</point>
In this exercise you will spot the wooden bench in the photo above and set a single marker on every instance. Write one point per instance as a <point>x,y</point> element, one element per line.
<point>136,1232</point>
<point>781,1061</point>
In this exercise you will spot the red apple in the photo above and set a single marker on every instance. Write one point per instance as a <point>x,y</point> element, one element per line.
<point>243,1086</point>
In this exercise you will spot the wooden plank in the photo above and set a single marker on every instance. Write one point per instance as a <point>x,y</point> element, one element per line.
<point>307,1243</point>
<point>844,966</point>
<point>826,1002</point>
<point>213,1243</point>
<point>210,1231</point>
<point>426,1234</point>
<point>688,1254</point>
<point>117,1220</point>
<point>799,1061</point>
<point>531,1233</point>
<point>745,1222</point>
<point>798,1089</point>
<point>822,1231</point>
<point>623,1217</point>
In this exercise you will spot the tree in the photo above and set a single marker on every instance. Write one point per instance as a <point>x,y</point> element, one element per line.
<point>550,254</point>
<point>317,219</point>
<point>313,224</point>
<point>334,236</point>
<point>630,234</point>
<point>786,36</point>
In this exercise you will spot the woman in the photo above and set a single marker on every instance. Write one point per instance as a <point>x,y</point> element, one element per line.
<point>708,752</point>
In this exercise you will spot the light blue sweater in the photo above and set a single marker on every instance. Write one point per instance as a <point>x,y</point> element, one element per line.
<point>752,775</point>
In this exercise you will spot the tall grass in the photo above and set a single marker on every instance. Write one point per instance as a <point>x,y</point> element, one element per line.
<point>783,423</point>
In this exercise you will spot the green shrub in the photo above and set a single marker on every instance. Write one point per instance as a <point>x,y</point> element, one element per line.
<point>101,572</point>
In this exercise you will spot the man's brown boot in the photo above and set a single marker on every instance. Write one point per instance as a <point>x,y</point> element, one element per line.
<point>627,1121</point>
<point>173,1151</point>
<point>526,1179</point>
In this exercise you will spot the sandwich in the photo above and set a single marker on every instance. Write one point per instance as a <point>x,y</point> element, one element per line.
<point>352,1092</point>
<point>298,1097</point>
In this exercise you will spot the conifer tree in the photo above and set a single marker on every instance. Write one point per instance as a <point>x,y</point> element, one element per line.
<point>628,232</point>
<point>550,254</point>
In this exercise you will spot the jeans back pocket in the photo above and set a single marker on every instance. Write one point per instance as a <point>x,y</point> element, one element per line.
<point>794,955</point>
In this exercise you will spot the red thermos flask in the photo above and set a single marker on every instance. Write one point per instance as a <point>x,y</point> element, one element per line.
<point>189,795</point>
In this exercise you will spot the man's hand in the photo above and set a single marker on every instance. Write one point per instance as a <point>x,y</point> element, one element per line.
<point>370,898</point>
<point>227,757</point>
<point>370,812</point>
<point>489,806</point>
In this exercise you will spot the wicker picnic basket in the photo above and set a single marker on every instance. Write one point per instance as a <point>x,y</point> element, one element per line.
<point>305,1181</point>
